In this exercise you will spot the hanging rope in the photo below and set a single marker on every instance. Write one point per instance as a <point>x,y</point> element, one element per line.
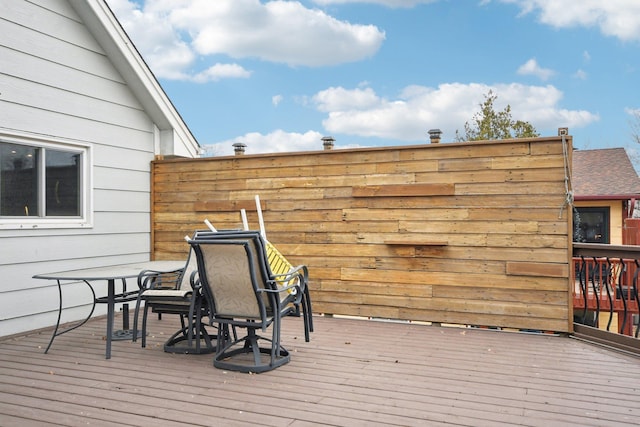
<point>568,201</point>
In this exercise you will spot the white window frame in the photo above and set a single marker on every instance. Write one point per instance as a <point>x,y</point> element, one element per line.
<point>85,219</point>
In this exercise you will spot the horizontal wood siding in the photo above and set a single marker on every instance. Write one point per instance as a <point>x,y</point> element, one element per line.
<point>469,233</point>
<point>58,83</point>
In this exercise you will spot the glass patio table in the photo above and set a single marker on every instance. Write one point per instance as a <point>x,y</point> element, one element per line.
<point>108,274</point>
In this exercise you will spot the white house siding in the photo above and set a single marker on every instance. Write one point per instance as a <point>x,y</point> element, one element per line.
<point>57,82</point>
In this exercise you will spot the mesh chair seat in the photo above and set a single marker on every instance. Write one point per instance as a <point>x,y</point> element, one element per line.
<point>279,269</point>
<point>237,284</point>
<point>173,293</point>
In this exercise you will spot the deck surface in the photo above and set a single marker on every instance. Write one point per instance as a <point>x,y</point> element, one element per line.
<point>352,373</point>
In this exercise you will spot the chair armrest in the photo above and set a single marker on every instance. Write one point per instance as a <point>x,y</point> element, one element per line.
<point>174,292</point>
<point>298,275</point>
<point>288,288</point>
<point>194,280</point>
<point>293,292</point>
<point>300,270</point>
<point>152,279</point>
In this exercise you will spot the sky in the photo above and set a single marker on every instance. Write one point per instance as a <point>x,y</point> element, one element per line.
<point>280,75</point>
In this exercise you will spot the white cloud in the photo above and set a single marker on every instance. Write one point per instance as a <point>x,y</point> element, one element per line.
<point>388,3</point>
<point>168,56</point>
<point>448,107</point>
<point>617,18</point>
<point>338,98</point>
<point>531,67</point>
<point>408,117</point>
<point>277,31</point>
<point>276,100</point>
<point>171,33</point>
<point>278,141</point>
<point>221,71</point>
<point>580,74</point>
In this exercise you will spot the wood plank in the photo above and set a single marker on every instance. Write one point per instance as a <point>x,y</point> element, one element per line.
<point>471,279</point>
<point>416,242</point>
<point>329,181</point>
<point>506,201</point>
<point>541,254</point>
<point>469,227</point>
<point>435,214</point>
<point>465,164</point>
<point>520,188</point>
<point>490,175</point>
<point>526,162</point>
<point>249,168</point>
<point>228,205</point>
<point>490,202</point>
<point>343,377</point>
<point>400,190</point>
<point>467,309</point>
<point>467,150</point>
<point>537,269</point>
<point>501,294</point>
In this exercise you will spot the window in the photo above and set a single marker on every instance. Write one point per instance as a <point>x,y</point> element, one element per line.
<point>43,184</point>
<point>591,225</point>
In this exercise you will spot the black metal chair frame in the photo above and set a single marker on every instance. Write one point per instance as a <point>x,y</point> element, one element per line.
<point>268,299</point>
<point>162,294</point>
<point>302,305</point>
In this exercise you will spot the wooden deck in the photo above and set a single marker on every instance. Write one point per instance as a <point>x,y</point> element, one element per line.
<point>352,373</point>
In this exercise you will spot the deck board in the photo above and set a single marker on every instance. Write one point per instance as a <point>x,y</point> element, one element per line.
<point>352,373</point>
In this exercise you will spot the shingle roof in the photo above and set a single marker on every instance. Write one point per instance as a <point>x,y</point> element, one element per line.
<point>605,172</point>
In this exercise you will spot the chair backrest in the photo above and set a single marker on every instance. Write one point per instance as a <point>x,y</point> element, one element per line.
<point>275,262</point>
<point>184,282</point>
<point>258,245</point>
<point>231,273</point>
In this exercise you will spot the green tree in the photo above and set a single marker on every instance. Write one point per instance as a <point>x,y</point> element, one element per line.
<point>632,152</point>
<point>491,124</point>
<point>635,125</point>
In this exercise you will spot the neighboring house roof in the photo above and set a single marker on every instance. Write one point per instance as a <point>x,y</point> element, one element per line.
<point>604,174</point>
<point>175,136</point>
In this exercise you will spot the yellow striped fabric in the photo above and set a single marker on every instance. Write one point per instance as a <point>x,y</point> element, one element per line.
<point>277,262</point>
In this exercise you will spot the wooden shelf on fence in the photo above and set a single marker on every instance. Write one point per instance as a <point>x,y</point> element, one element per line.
<point>415,243</point>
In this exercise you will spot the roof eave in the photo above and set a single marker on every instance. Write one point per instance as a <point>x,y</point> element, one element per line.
<point>104,26</point>
<point>607,197</point>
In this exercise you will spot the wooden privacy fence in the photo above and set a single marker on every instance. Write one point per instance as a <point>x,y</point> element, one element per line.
<point>469,233</point>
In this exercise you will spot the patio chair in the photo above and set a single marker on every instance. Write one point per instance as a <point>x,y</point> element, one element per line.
<point>173,293</point>
<point>278,269</point>
<point>235,282</point>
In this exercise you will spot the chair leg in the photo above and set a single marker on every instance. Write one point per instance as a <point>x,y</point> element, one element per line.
<point>184,330</point>
<point>195,321</point>
<point>248,345</point>
<point>135,320</point>
<point>252,344</point>
<point>275,339</point>
<point>144,325</point>
<point>307,299</point>
<point>305,317</point>
<point>175,343</point>
<point>222,338</point>
<point>195,306</point>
